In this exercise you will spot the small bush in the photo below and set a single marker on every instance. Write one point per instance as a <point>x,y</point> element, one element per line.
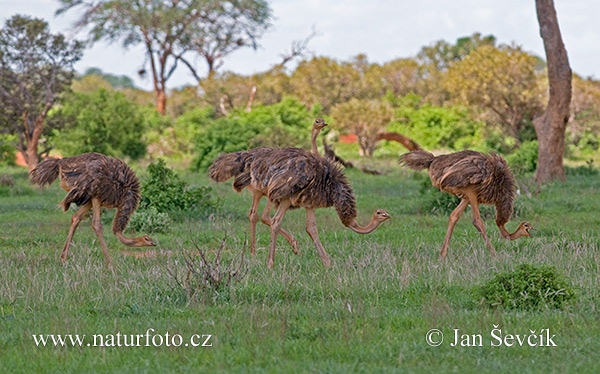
<point>8,150</point>
<point>285,124</point>
<point>101,121</point>
<point>166,193</point>
<point>524,158</point>
<point>526,288</point>
<point>434,126</point>
<point>207,279</point>
<point>150,220</point>
<point>436,201</point>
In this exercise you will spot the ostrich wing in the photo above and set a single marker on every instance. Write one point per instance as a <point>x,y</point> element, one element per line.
<point>461,172</point>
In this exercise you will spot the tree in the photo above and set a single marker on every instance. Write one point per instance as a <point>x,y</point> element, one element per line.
<point>551,125</point>
<point>326,82</point>
<point>501,80</point>
<point>170,29</point>
<point>35,68</point>
<point>364,118</point>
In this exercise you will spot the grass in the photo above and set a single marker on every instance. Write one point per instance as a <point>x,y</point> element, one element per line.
<point>368,313</point>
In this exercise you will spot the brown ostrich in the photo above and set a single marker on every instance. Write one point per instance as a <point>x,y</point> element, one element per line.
<point>476,178</point>
<point>237,165</point>
<point>295,178</point>
<point>93,181</point>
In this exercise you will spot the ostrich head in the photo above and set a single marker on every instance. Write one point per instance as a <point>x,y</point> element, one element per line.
<point>523,229</point>
<point>148,242</point>
<point>319,124</point>
<point>380,215</point>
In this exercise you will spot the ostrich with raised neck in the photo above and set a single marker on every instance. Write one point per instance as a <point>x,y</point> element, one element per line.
<point>477,178</point>
<point>94,181</point>
<point>295,178</point>
<point>237,165</point>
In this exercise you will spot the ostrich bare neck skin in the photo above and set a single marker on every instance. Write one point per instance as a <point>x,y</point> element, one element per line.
<point>366,229</point>
<point>131,242</point>
<point>314,134</point>
<point>519,232</point>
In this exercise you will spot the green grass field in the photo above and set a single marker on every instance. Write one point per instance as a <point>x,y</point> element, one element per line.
<point>368,313</point>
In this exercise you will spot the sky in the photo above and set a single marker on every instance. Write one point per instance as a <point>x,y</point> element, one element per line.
<point>382,29</point>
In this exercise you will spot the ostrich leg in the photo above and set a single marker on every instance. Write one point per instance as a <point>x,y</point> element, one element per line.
<point>97,226</point>
<point>266,219</point>
<point>454,217</point>
<point>253,216</point>
<point>75,219</point>
<point>275,229</point>
<point>478,222</point>
<point>311,229</point>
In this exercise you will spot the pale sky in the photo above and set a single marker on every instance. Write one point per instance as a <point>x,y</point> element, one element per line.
<point>382,29</point>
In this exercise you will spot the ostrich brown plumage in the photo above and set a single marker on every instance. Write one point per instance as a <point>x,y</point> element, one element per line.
<point>237,165</point>
<point>476,178</point>
<point>295,178</point>
<point>92,181</point>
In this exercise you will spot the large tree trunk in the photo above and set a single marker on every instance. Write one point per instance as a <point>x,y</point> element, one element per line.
<point>550,126</point>
<point>32,137</point>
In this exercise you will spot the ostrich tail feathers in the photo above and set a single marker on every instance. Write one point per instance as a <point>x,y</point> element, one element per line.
<point>417,160</point>
<point>227,166</point>
<point>45,173</point>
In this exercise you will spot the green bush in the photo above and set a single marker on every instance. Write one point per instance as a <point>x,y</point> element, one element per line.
<point>528,287</point>
<point>434,200</point>
<point>8,150</point>
<point>166,193</point>
<point>284,124</point>
<point>150,220</point>
<point>101,121</point>
<point>435,127</point>
<point>524,158</point>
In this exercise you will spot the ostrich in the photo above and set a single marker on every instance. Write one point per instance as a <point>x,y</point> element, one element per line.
<point>295,178</point>
<point>92,181</point>
<point>237,165</point>
<point>476,178</point>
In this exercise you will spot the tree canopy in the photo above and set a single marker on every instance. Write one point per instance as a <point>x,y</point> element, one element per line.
<point>35,68</point>
<point>171,30</point>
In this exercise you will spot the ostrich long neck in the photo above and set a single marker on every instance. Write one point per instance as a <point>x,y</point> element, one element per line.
<point>507,235</point>
<point>314,134</point>
<point>366,229</point>
<point>130,242</point>
<point>515,235</point>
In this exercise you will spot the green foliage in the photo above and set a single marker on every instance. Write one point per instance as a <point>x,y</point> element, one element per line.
<point>150,220</point>
<point>284,124</point>
<point>364,118</point>
<point>36,67</point>
<point>116,81</point>
<point>8,151</point>
<point>434,126</point>
<point>524,159</point>
<point>164,191</point>
<point>102,121</point>
<point>436,201</point>
<point>528,287</point>
<point>176,138</point>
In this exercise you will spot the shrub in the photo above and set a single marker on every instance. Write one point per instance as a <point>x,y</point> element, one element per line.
<point>207,279</point>
<point>166,193</point>
<point>436,127</point>
<point>8,150</point>
<point>436,201</point>
<point>527,287</point>
<point>284,124</point>
<point>101,121</point>
<point>524,158</point>
<point>150,220</point>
